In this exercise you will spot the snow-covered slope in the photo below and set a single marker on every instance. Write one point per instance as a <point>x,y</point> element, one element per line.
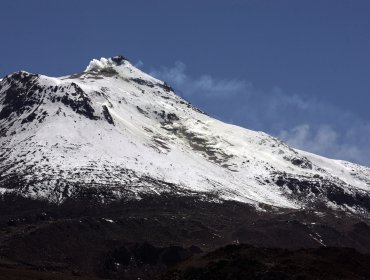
<point>118,132</point>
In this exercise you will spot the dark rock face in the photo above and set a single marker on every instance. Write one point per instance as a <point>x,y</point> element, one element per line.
<point>22,94</point>
<point>166,117</point>
<point>163,86</point>
<point>79,101</point>
<point>166,87</point>
<point>356,199</point>
<point>107,115</point>
<point>171,117</point>
<point>143,82</point>
<point>302,162</point>
<point>119,59</point>
<point>303,188</point>
<point>142,111</point>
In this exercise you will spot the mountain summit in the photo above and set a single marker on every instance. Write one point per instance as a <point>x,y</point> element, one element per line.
<point>114,131</point>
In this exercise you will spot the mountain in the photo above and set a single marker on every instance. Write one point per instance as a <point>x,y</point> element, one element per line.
<point>109,174</point>
<point>114,132</point>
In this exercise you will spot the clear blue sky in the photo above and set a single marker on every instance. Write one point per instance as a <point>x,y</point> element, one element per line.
<point>297,69</point>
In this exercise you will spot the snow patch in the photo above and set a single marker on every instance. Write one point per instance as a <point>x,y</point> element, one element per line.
<point>108,220</point>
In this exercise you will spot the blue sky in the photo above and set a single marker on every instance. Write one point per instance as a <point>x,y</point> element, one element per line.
<point>297,69</point>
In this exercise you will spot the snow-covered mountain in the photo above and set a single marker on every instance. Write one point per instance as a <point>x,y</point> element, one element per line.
<point>114,131</point>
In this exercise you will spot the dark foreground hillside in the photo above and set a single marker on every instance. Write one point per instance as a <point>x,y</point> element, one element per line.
<point>176,238</point>
<point>246,262</point>
<point>236,262</point>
